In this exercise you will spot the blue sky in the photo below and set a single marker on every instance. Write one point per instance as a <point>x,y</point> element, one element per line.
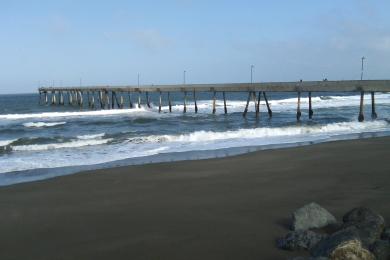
<point>109,42</point>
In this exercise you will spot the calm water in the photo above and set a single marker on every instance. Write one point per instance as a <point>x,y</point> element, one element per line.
<point>38,142</point>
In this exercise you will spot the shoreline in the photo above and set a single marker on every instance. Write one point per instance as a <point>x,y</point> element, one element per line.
<point>222,208</point>
<point>39,174</point>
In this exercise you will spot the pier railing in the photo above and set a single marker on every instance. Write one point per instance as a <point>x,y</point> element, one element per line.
<point>109,95</point>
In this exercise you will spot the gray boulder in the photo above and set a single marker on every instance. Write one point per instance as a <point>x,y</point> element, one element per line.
<point>381,249</point>
<point>312,215</point>
<point>301,239</point>
<point>370,225</point>
<point>386,234</point>
<point>326,246</point>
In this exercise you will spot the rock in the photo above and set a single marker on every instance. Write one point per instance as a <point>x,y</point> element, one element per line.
<point>386,234</point>
<point>381,249</point>
<point>311,215</point>
<point>351,249</point>
<point>326,246</point>
<point>369,224</point>
<point>301,239</point>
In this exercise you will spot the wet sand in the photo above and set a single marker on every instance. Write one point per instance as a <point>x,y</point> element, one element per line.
<point>230,208</point>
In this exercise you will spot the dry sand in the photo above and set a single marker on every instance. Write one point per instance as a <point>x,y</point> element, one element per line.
<point>230,208</point>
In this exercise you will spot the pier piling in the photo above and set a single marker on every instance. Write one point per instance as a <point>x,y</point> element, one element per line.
<point>214,101</point>
<point>224,102</point>
<point>169,102</point>
<point>185,102</point>
<point>361,114</point>
<point>299,106</point>
<point>373,112</point>
<point>196,106</point>
<point>258,104</point>
<point>159,103</point>
<point>147,99</point>
<point>268,106</point>
<point>247,104</point>
<point>310,108</point>
<point>139,99</point>
<point>130,103</point>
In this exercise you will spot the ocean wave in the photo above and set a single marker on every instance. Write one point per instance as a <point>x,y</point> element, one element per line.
<point>4,143</point>
<point>111,112</point>
<point>88,137</point>
<point>42,124</point>
<point>266,132</point>
<point>71,144</point>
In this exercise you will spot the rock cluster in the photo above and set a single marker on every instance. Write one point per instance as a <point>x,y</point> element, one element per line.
<point>360,235</point>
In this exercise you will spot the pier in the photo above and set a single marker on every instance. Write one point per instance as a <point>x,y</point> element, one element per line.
<point>106,97</point>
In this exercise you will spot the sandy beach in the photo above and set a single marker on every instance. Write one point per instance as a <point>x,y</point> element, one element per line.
<point>229,208</point>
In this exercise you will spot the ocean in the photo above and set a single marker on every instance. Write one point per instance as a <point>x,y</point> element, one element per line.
<point>44,141</point>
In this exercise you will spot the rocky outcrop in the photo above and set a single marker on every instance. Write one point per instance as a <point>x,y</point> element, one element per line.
<point>312,216</point>
<point>362,235</point>
<point>301,239</point>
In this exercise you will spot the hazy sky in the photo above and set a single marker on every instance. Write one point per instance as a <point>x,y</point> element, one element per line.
<point>109,42</point>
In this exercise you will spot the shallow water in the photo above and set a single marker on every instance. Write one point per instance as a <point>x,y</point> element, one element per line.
<point>45,141</point>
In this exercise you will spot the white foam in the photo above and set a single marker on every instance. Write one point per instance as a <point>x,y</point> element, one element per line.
<point>71,144</point>
<point>87,137</point>
<point>42,124</point>
<point>6,142</point>
<point>73,114</point>
<point>57,155</point>
<point>267,132</point>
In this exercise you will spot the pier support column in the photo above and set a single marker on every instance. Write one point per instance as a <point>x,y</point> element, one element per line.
<point>169,102</point>
<point>247,104</point>
<point>299,106</point>
<point>53,98</point>
<point>196,105</point>
<point>89,99</point>
<point>107,96</point>
<point>224,102</point>
<point>139,99</point>
<point>310,108</point>
<point>70,98</point>
<point>258,105</point>
<point>121,101</point>
<point>81,99</point>
<point>214,100</point>
<point>361,114</point>
<point>147,99</point>
<point>159,103</point>
<point>113,96</point>
<point>185,102</point>
<point>46,99</point>
<point>268,106</point>
<point>93,100</point>
<point>130,103</point>
<point>373,112</point>
<point>61,98</point>
<point>100,96</point>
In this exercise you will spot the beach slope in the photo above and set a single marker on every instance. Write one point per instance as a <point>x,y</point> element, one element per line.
<point>229,208</point>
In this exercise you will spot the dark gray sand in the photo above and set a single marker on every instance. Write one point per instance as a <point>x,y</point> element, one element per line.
<point>230,208</point>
